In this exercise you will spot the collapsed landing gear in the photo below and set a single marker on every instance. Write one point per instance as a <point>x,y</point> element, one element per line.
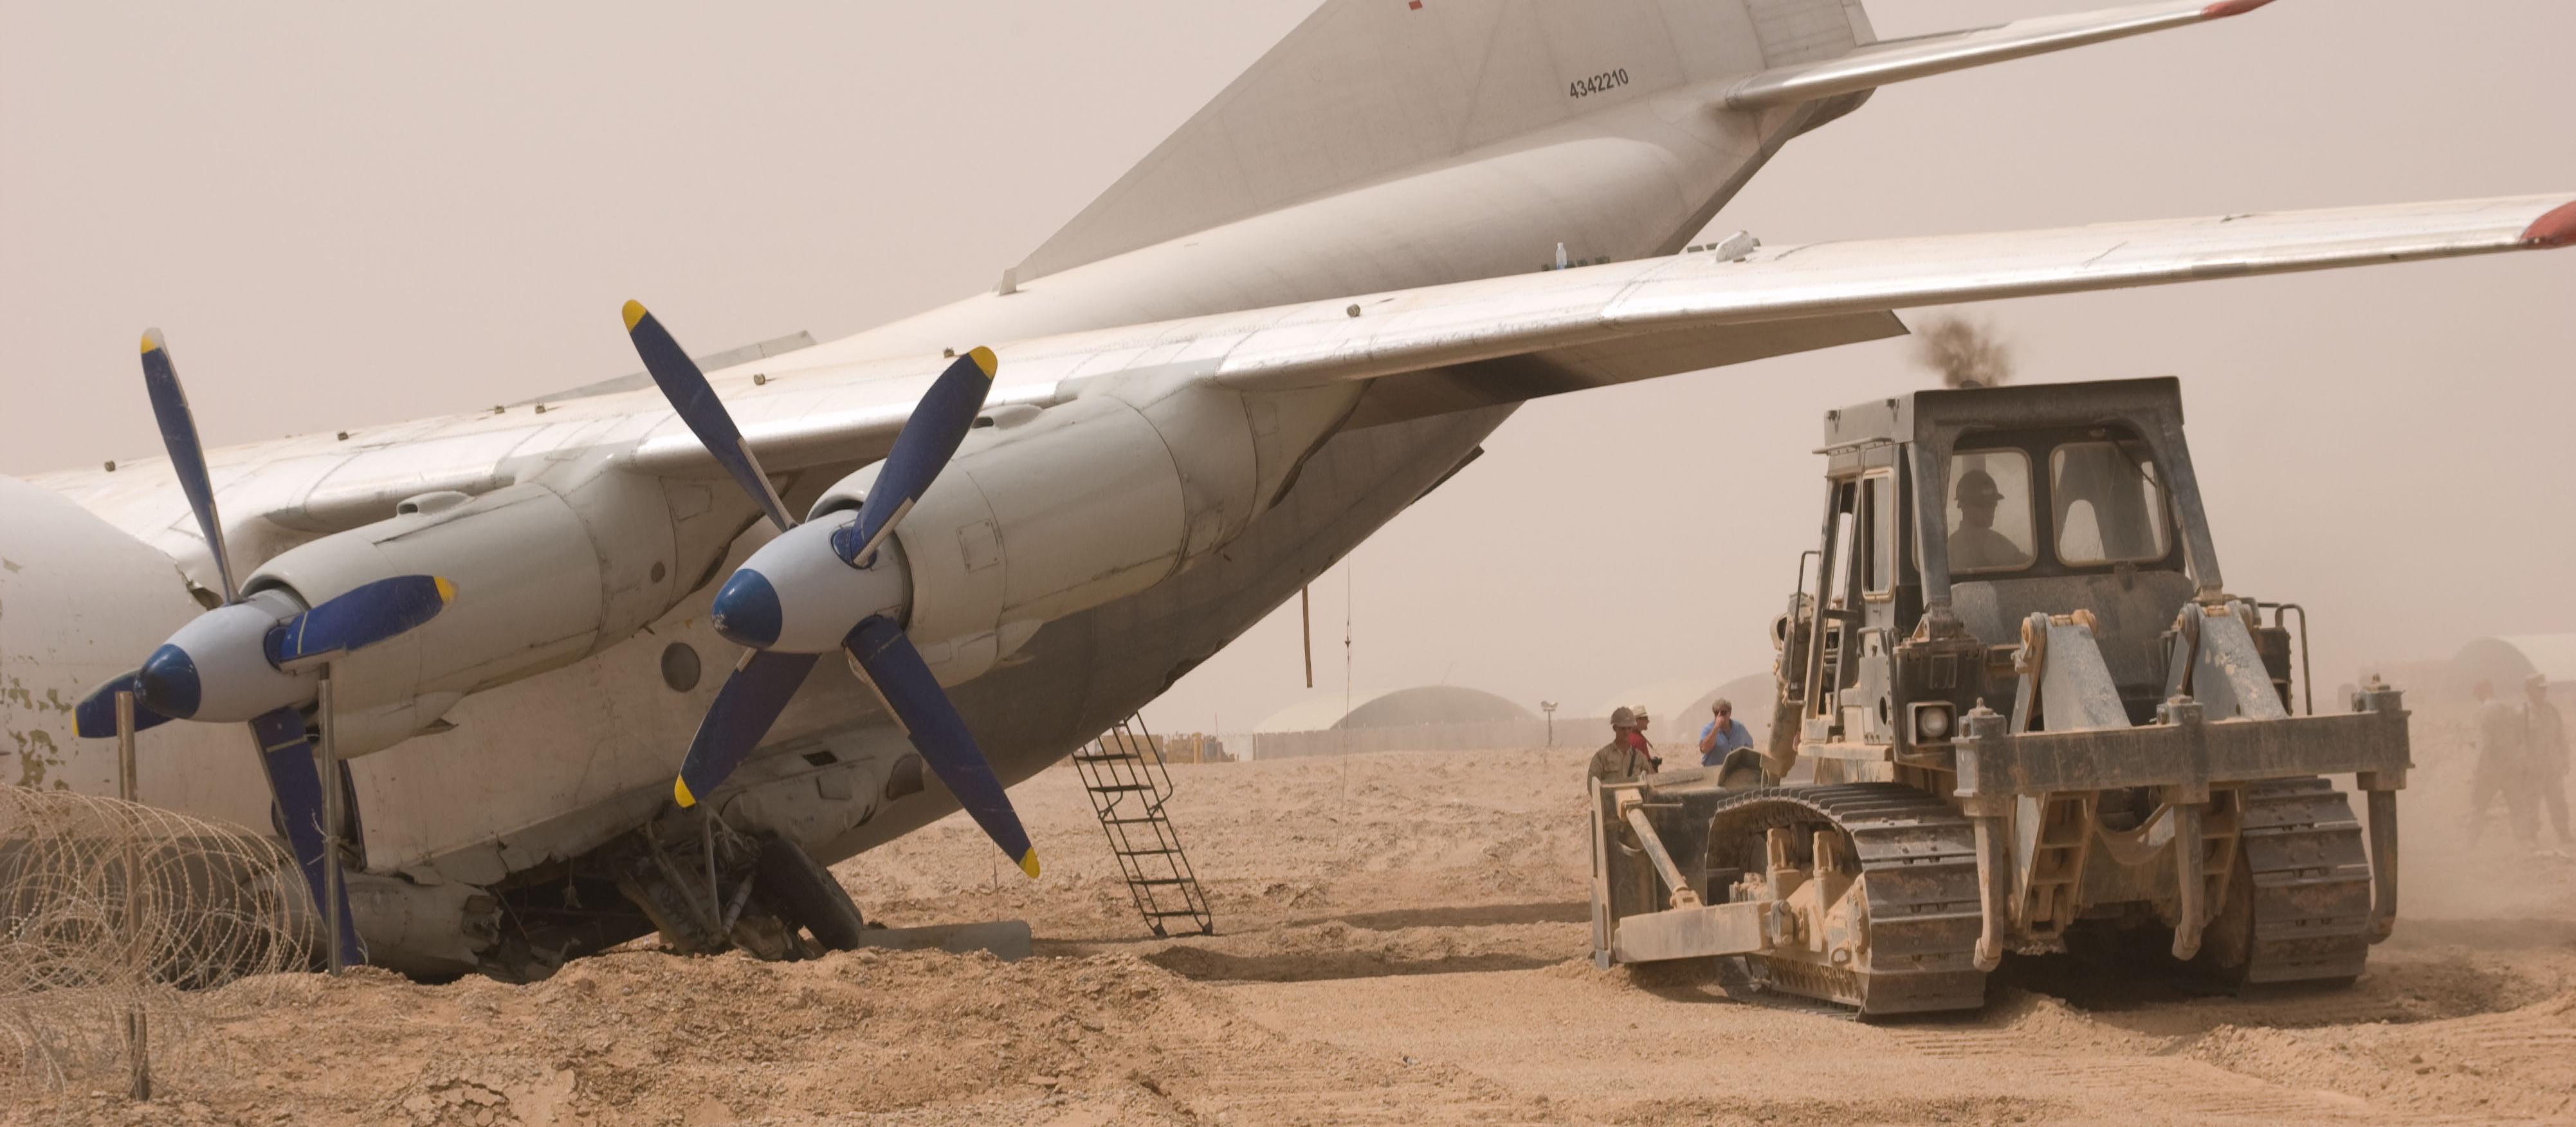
<point>703,885</point>
<point>728,889</point>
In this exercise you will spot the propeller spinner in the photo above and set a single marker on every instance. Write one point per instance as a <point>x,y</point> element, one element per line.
<point>827,585</point>
<point>257,658</point>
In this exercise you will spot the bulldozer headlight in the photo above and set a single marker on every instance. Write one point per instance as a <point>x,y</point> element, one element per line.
<point>1933,720</point>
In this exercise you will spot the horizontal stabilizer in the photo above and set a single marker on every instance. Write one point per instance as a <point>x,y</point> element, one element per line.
<point>1879,64</point>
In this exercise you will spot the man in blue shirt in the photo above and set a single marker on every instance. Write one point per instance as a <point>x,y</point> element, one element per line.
<point>1722,735</point>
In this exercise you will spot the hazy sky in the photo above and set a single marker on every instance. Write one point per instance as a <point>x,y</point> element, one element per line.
<point>352,214</point>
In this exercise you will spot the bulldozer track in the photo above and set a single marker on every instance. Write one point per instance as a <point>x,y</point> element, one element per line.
<point>2299,911</point>
<point>1918,867</point>
<point>2308,885</point>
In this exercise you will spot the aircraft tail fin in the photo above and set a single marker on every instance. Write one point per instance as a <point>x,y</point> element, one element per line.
<point>1365,89</point>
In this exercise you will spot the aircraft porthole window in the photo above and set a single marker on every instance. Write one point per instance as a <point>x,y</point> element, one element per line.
<point>680,666</point>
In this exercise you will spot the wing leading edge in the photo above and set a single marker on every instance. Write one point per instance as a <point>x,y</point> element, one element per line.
<point>1596,307</point>
<point>1528,335</point>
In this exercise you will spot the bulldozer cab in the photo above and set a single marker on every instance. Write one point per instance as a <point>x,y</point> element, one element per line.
<point>1952,516</point>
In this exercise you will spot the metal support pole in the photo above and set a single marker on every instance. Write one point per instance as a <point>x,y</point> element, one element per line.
<point>2383,863</point>
<point>1683,896</point>
<point>138,1045</point>
<point>715,887</point>
<point>1604,912</point>
<point>326,760</point>
<point>1981,733</point>
<point>2190,879</point>
<point>1306,629</point>
<point>1994,876</point>
<point>126,786</point>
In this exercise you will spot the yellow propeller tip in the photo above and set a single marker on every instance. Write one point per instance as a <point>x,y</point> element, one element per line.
<point>446,589</point>
<point>152,340</point>
<point>680,792</point>
<point>1029,864</point>
<point>634,312</point>
<point>985,359</point>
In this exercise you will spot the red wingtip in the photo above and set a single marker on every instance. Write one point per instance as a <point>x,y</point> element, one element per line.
<point>2226,8</point>
<point>2554,230</point>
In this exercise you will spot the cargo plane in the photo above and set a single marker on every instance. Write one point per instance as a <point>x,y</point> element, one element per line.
<point>647,654</point>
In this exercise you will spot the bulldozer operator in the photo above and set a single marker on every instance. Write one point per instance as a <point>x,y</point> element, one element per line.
<point>1975,545</point>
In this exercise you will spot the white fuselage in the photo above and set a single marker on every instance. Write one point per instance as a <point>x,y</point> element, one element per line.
<point>487,763</point>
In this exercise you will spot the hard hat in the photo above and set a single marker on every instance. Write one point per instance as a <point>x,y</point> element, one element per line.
<point>1623,717</point>
<point>1976,486</point>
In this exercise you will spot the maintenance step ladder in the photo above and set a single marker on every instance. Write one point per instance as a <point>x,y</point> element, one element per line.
<point>1124,772</point>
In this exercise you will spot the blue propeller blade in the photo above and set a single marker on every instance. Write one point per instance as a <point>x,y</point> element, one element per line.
<point>687,389</point>
<point>921,449</point>
<point>187,455</point>
<point>94,718</point>
<point>744,709</point>
<point>903,681</point>
<point>365,615</point>
<point>297,786</point>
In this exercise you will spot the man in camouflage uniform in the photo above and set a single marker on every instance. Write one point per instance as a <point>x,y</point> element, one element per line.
<point>1627,755</point>
<point>1625,758</point>
<point>2545,741</point>
<point>2504,768</point>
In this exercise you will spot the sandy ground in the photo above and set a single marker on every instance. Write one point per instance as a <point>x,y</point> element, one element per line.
<point>1402,938</point>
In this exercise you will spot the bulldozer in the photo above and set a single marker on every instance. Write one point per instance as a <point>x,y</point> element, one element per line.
<point>2032,711</point>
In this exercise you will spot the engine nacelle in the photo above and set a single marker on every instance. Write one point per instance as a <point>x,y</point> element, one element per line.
<point>1079,507</point>
<point>539,584</point>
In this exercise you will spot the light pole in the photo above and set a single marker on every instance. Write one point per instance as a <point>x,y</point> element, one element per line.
<point>1549,707</point>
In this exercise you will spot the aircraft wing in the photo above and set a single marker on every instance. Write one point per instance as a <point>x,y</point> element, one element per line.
<point>1632,311</point>
<point>1428,350</point>
<point>1470,344</point>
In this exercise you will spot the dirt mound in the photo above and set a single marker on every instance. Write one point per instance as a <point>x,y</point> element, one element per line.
<point>650,1037</point>
<point>2518,1063</point>
<point>1402,938</point>
<point>1338,949</point>
<point>1827,1111</point>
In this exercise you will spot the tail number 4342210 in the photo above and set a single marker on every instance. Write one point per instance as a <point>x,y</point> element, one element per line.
<point>1601,83</point>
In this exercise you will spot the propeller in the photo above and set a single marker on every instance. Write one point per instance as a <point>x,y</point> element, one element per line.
<point>257,658</point>
<point>824,586</point>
